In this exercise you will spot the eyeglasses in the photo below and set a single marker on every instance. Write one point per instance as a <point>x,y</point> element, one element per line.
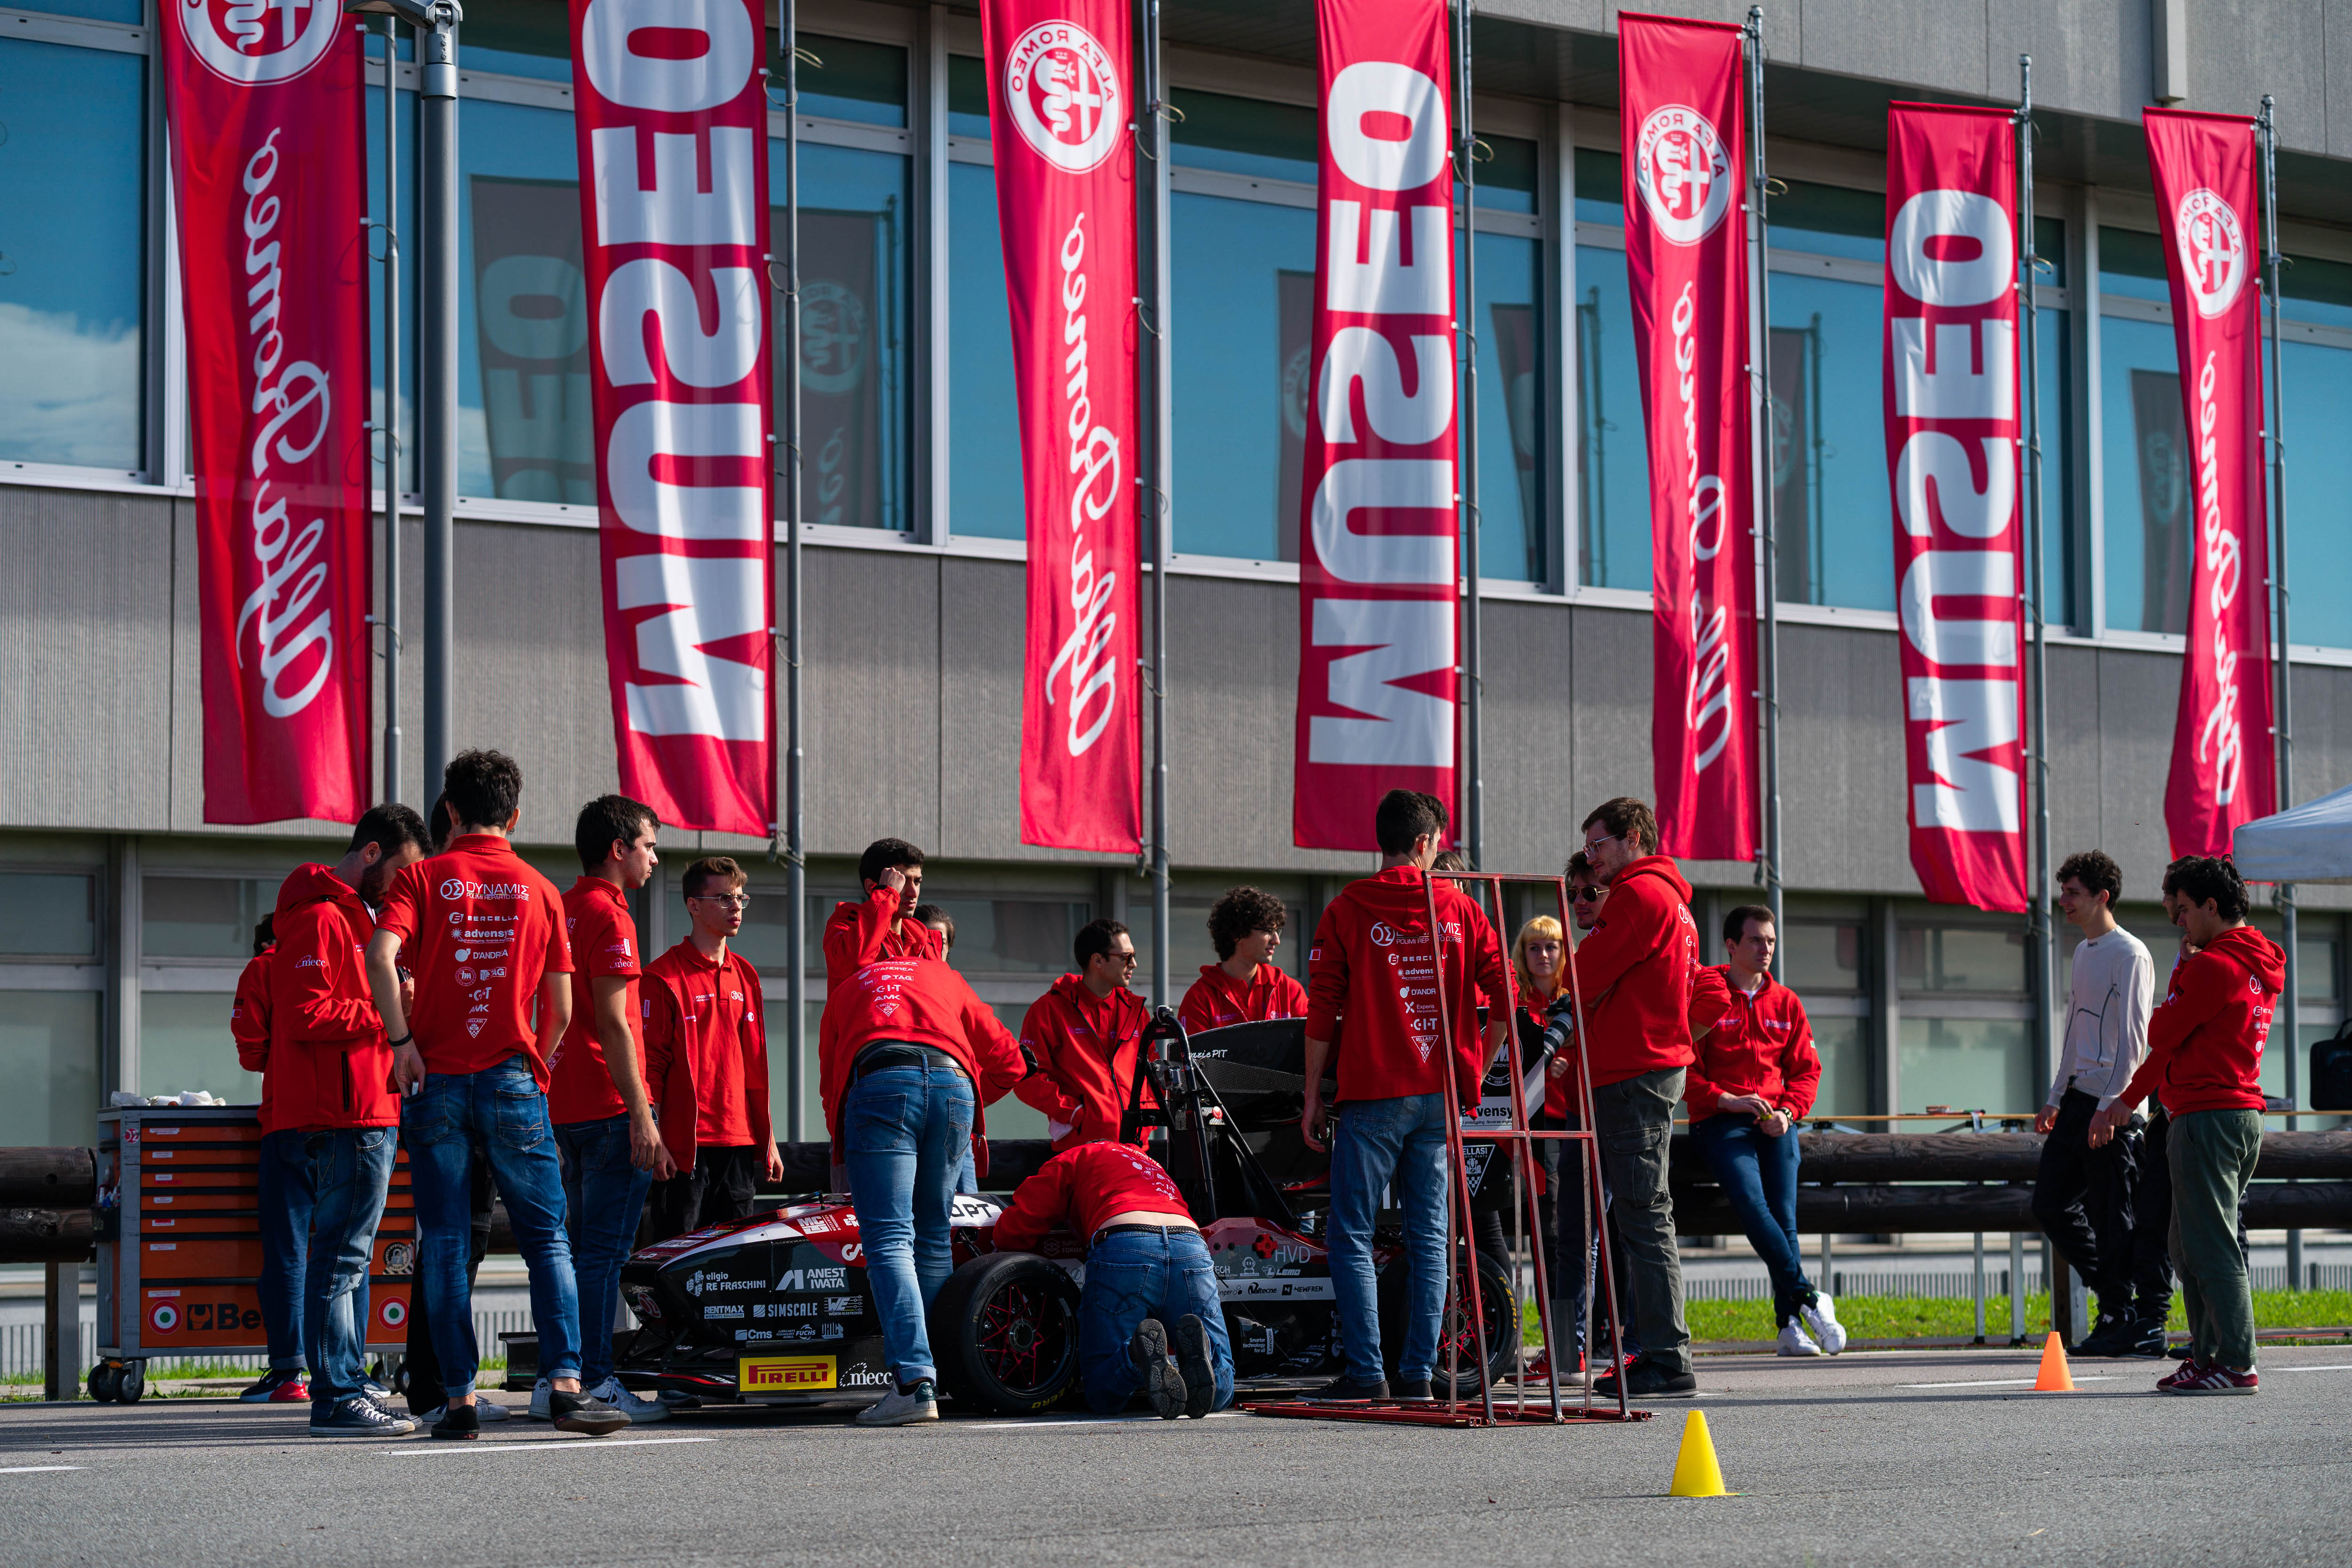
<point>731,900</point>
<point>1591,844</point>
<point>1585,895</point>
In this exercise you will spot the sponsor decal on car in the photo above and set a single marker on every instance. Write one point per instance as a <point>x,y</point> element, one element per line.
<point>785,1373</point>
<point>860,1375</point>
<point>712,1280</point>
<point>843,1306</point>
<point>814,1279</point>
<point>720,1309</point>
<point>1274,1289</point>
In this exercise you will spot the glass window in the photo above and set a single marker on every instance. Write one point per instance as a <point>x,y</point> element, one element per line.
<point>1613,454</point>
<point>1599,188</point>
<point>1960,958</point>
<point>1508,180</point>
<point>71,254</point>
<point>132,12</point>
<point>1188,946</point>
<point>764,939</point>
<point>2056,370</point>
<point>2317,290</point>
<point>2317,381</point>
<point>854,339</point>
<point>1845,1047</point>
<point>967,97</point>
<point>185,1045</point>
<point>1829,220</point>
<point>2132,264</point>
<point>1510,406</point>
<point>1834,523</point>
<point>48,914</point>
<point>201,917</point>
<point>849,80</point>
<point>1817,955</point>
<point>985,493</point>
<point>1014,936</point>
<point>1245,136</point>
<point>2314,966</point>
<point>518,37</point>
<point>2145,458</point>
<point>1969,1064</point>
<point>48,1056</point>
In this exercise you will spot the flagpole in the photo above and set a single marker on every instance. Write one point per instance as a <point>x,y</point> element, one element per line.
<point>2043,942</point>
<point>1155,127</point>
<point>1760,433</point>
<point>796,773</point>
<point>2283,723</point>
<point>1474,806</point>
<point>390,422</point>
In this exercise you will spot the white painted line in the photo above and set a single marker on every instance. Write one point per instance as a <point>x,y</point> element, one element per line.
<point>35,1469</point>
<point>1034,1424</point>
<point>2331,1367</point>
<point>541,1445</point>
<point>2006,1381</point>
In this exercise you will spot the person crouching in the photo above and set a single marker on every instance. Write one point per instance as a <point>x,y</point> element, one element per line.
<point>1147,1268</point>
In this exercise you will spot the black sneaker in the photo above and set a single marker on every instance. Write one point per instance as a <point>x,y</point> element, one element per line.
<point>457,1421</point>
<point>1347,1390</point>
<point>2147,1339</point>
<point>2111,1335</point>
<point>1646,1379</point>
<point>1148,1352</point>
<point>356,1417</point>
<point>1413,1390</point>
<point>585,1413</point>
<point>1194,1361</point>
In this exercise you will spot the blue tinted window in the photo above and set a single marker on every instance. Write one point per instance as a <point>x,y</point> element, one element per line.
<point>2317,291</point>
<point>2318,383</point>
<point>1600,187</point>
<point>984,433</point>
<point>1245,136</point>
<point>1510,406</point>
<point>967,97</point>
<point>2132,264</point>
<point>132,11</point>
<point>1835,511</point>
<point>71,255</point>
<point>2144,462</point>
<point>849,80</point>
<point>1612,457</point>
<point>516,37</point>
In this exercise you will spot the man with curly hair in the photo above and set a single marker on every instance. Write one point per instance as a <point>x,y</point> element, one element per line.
<point>1244,985</point>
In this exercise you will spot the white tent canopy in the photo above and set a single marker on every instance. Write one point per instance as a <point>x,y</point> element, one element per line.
<point>2311,843</point>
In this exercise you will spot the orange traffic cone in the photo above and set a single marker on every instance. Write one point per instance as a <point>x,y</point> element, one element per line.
<point>2054,1378</point>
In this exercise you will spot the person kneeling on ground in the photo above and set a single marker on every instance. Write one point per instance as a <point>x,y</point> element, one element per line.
<point>1149,1283</point>
<point>1754,1079</point>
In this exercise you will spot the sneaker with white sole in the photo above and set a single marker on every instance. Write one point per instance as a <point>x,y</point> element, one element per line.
<point>1820,1318</point>
<point>357,1417</point>
<point>638,1409</point>
<point>2209,1380</point>
<point>918,1401</point>
<point>487,1409</point>
<point>542,1394</point>
<point>280,1385</point>
<point>1794,1340</point>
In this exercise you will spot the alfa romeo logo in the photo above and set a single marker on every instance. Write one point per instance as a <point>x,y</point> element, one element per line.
<point>2213,255</point>
<point>252,42</point>
<point>1683,173</point>
<point>1062,87</point>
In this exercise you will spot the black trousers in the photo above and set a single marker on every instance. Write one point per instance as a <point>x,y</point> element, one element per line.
<point>722,1185</point>
<point>2106,1210</point>
<point>426,1396</point>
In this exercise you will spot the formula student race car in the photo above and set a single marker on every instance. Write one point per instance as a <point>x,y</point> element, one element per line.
<point>775,1308</point>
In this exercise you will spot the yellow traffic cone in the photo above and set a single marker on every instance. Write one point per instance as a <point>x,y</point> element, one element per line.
<point>2054,1378</point>
<point>1695,1472</point>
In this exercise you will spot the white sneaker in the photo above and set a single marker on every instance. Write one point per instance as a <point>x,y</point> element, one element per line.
<point>896,1409</point>
<point>487,1410</point>
<point>541,1393</point>
<point>1794,1340</point>
<point>1820,1317</point>
<point>638,1409</point>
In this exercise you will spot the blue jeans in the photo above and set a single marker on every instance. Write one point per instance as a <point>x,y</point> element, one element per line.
<point>354,1170</point>
<point>1759,1175</point>
<point>502,1108</point>
<point>907,1131</point>
<point>287,1188</point>
<point>1381,1143</point>
<point>1133,1275</point>
<point>602,1197</point>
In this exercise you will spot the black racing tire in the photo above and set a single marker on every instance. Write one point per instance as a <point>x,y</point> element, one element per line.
<point>1502,1313</point>
<point>105,1382</point>
<point>1004,1332</point>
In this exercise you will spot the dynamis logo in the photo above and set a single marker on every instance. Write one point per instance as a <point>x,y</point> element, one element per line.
<point>1383,934</point>
<point>2214,254</point>
<point>253,42</point>
<point>1683,172</point>
<point>1063,89</point>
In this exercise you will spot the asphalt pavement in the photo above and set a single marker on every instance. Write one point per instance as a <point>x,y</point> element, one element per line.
<point>1921,1456</point>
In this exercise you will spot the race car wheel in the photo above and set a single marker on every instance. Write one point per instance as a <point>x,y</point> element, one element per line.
<point>1502,1315</point>
<point>1005,1331</point>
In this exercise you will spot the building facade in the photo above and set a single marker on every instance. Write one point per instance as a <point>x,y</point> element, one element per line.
<point>124,917</point>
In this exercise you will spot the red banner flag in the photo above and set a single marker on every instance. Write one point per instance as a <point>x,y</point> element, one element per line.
<point>672,110</point>
<point>267,162</point>
<point>1379,589</point>
<point>1684,128</point>
<point>2222,772</point>
<point>1952,427</point>
<point>1060,101</point>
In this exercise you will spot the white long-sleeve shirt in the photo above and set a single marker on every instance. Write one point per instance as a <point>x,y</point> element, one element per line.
<point>2105,1037</point>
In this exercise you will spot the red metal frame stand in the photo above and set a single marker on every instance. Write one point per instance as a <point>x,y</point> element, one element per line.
<point>1520,1138</point>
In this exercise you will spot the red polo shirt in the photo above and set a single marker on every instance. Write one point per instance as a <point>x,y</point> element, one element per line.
<point>480,928</point>
<point>709,1016</point>
<point>1216,1001</point>
<point>603,939</point>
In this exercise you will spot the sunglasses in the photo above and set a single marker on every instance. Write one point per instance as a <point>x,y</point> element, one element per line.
<point>1586,894</point>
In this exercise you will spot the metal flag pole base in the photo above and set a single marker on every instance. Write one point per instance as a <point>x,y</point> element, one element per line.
<point>1458,1408</point>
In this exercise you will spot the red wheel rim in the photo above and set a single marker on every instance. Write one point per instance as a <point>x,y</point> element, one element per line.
<point>1024,1336</point>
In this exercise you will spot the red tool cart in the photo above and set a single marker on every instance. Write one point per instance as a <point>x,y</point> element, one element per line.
<point>179,1243</point>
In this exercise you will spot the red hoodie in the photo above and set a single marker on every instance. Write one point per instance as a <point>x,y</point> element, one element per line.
<point>1086,1048</point>
<point>330,1063</point>
<point>1760,1045</point>
<point>1633,972</point>
<point>1368,969</point>
<point>922,1001</point>
<point>706,1045</point>
<point>1082,1187</point>
<point>248,1024</point>
<point>857,934</point>
<point>1216,1001</point>
<point>2205,1040</point>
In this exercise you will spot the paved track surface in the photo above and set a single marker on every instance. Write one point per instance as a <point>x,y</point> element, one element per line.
<point>1902,1457</point>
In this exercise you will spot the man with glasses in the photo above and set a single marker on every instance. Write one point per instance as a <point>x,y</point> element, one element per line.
<point>1087,1035</point>
<point>707,1061</point>
<point>1634,975</point>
